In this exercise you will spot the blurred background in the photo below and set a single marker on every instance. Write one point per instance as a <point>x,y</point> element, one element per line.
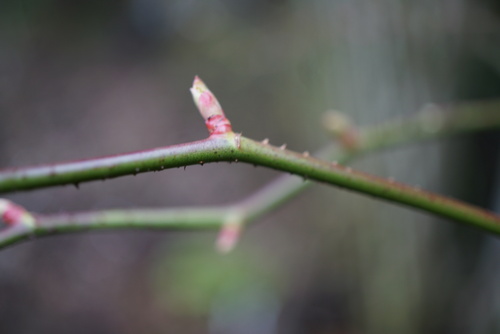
<point>87,78</point>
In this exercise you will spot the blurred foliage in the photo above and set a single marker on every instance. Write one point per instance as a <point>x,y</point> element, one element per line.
<point>190,276</point>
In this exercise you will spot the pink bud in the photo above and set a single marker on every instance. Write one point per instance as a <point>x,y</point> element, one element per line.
<point>205,100</point>
<point>210,109</point>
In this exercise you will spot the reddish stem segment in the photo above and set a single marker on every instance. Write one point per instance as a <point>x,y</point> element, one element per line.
<point>218,125</point>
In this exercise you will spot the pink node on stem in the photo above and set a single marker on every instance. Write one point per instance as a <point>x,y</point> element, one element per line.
<point>13,214</point>
<point>228,237</point>
<point>218,125</point>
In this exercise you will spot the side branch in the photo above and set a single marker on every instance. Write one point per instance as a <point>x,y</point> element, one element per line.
<point>45,225</point>
<point>432,122</point>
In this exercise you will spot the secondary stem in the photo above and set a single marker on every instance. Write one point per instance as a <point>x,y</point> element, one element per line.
<point>199,218</point>
<point>432,122</point>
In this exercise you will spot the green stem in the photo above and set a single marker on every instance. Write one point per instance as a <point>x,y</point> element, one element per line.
<point>231,147</point>
<point>319,170</point>
<point>215,148</point>
<point>199,218</point>
<point>431,123</point>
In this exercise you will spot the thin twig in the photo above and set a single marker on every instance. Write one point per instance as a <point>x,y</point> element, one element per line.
<point>216,148</point>
<point>267,198</point>
<point>224,145</point>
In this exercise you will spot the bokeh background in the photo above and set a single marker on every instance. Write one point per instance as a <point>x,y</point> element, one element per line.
<point>87,78</point>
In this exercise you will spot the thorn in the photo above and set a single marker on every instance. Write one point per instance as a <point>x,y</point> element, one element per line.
<point>237,140</point>
<point>265,141</point>
<point>306,154</point>
<point>282,147</point>
<point>77,185</point>
<point>201,163</point>
<point>185,167</point>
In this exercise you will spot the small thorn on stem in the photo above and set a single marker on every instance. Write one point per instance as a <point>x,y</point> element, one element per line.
<point>306,154</point>
<point>265,141</point>
<point>237,140</point>
<point>282,147</point>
